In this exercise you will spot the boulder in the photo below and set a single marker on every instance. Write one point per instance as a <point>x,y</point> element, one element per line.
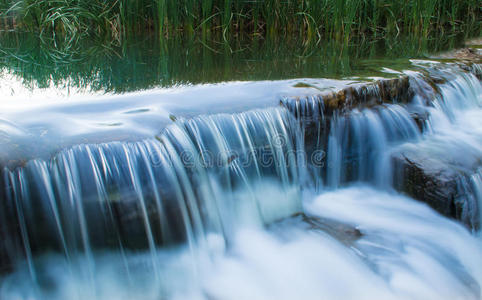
<point>442,187</point>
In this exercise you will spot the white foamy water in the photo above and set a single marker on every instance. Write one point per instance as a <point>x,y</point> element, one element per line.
<point>454,126</point>
<point>405,251</point>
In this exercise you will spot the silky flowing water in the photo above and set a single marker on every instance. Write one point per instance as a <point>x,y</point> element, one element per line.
<point>241,205</point>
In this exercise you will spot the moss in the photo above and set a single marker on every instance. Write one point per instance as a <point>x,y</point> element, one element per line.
<point>302,85</point>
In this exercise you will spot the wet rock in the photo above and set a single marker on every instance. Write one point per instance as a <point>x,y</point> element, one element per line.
<point>388,90</point>
<point>344,233</point>
<point>442,187</point>
<point>420,116</point>
<point>474,42</point>
<point>468,59</point>
<point>466,54</point>
<point>475,69</point>
<point>6,259</point>
<point>6,263</point>
<point>394,90</point>
<point>315,112</point>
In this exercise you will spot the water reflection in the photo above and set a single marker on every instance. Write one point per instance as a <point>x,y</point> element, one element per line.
<point>148,62</point>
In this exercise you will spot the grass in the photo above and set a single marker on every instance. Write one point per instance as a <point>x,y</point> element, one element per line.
<point>311,19</point>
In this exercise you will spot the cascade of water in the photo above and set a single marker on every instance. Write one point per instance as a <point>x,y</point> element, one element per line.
<point>359,144</point>
<point>199,176</point>
<point>437,168</point>
<point>440,102</point>
<point>352,146</point>
<point>205,180</point>
<point>310,114</point>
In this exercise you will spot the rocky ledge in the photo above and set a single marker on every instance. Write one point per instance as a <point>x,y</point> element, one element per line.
<point>446,188</point>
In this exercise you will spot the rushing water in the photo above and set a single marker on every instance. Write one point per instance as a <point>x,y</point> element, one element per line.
<point>254,205</point>
<point>406,252</point>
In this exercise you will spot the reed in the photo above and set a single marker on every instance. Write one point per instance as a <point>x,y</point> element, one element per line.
<point>341,19</point>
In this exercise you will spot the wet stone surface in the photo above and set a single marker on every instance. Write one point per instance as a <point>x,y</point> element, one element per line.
<point>438,185</point>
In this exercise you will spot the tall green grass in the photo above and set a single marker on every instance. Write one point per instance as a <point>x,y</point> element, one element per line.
<point>341,19</point>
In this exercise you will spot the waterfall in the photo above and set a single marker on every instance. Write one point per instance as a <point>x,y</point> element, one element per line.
<point>199,176</point>
<point>442,163</point>
<point>359,144</point>
<point>262,197</point>
<point>356,144</point>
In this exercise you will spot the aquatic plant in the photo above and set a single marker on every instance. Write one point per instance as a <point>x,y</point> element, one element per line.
<point>312,19</point>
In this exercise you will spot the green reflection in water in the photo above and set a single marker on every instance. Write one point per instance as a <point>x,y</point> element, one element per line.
<point>149,62</point>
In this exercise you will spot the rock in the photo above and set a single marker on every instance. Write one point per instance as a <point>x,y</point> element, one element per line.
<point>315,112</point>
<point>6,260</point>
<point>472,54</point>
<point>444,187</point>
<point>345,233</point>
<point>441,187</point>
<point>394,90</point>
<point>474,42</point>
<point>469,54</point>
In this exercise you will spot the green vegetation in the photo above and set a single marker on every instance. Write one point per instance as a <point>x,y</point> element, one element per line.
<point>149,62</point>
<point>99,43</point>
<point>309,19</point>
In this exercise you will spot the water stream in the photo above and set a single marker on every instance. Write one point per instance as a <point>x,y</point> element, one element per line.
<point>252,205</point>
